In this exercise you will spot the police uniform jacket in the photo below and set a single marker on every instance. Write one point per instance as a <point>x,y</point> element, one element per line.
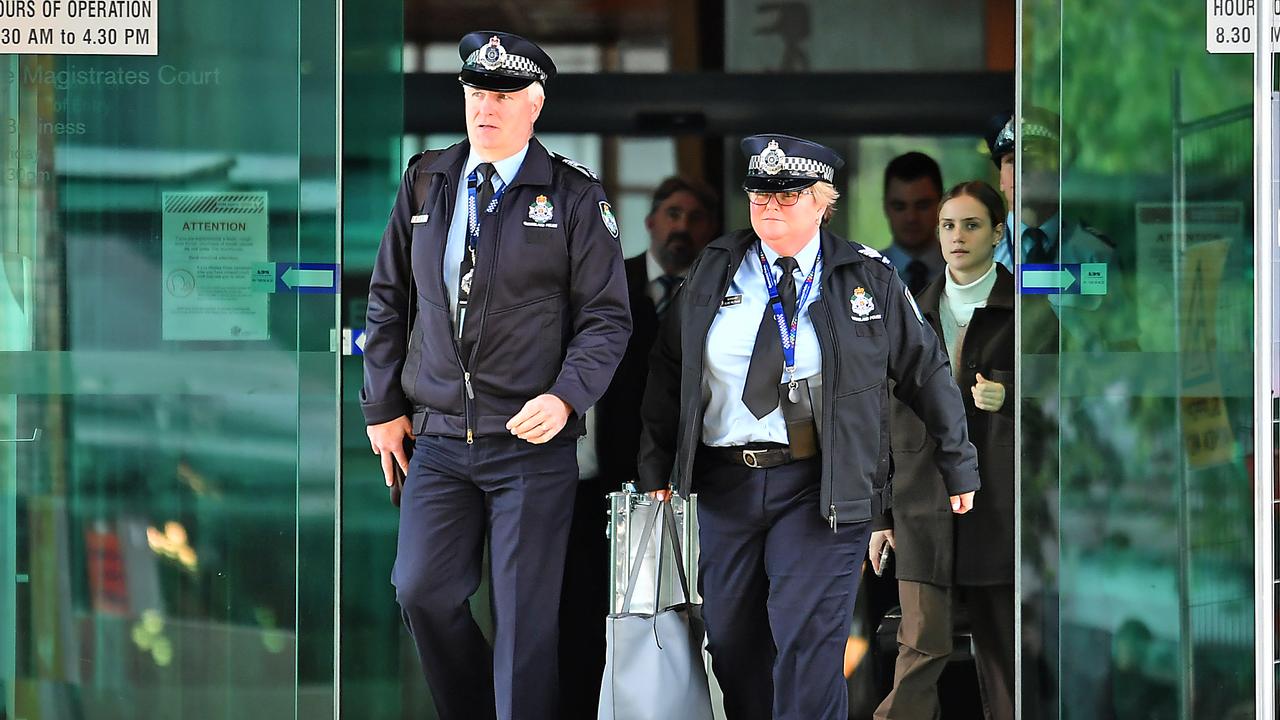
<point>932,544</point>
<point>548,306</point>
<point>859,356</point>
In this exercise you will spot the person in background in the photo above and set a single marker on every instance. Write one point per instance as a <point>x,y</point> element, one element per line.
<point>912,186</point>
<point>682,219</point>
<point>971,308</point>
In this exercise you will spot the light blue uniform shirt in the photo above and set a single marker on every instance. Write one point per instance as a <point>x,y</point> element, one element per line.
<point>1004,251</point>
<point>727,422</point>
<point>456,242</point>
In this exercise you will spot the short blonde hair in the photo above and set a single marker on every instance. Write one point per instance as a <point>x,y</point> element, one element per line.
<point>826,194</point>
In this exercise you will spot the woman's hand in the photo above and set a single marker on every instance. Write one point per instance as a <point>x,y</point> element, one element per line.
<point>961,504</point>
<point>879,539</point>
<point>988,395</point>
<point>660,495</point>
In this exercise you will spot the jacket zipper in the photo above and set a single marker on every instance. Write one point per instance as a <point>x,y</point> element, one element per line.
<point>467,393</point>
<point>471,396</point>
<point>828,399</point>
<point>475,349</point>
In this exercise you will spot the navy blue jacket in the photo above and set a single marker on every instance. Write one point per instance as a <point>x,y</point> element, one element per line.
<point>548,308</point>
<point>861,352</point>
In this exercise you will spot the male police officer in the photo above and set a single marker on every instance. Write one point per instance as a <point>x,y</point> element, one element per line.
<point>1045,237</point>
<point>521,318</point>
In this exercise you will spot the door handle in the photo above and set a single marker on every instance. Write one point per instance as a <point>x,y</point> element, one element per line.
<point>35,435</point>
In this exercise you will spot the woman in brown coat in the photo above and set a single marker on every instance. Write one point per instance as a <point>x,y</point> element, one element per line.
<point>971,308</point>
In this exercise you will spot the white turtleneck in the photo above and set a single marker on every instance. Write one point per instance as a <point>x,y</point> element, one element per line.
<point>958,303</point>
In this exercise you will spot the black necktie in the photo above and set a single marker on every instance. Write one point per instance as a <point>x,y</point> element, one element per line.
<point>668,283</point>
<point>917,276</point>
<point>1038,250</point>
<point>765,373</point>
<point>484,195</point>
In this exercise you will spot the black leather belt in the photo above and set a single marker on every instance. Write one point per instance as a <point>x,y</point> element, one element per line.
<point>752,457</point>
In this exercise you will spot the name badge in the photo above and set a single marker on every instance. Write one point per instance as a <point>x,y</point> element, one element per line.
<point>419,219</point>
<point>731,300</point>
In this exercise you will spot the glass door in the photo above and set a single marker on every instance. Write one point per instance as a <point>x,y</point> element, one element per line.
<point>1137,494</point>
<point>168,374</point>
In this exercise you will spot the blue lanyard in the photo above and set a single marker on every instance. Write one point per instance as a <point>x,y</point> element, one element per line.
<point>787,331</point>
<point>473,220</point>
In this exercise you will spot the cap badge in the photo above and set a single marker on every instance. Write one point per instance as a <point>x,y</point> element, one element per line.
<point>772,158</point>
<point>493,56</point>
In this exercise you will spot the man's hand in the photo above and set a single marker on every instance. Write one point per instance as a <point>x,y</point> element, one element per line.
<point>879,539</point>
<point>541,419</point>
<point>988,395</point>
<point>387,441</point>
<point>961,504</point>
<point>660,495</point>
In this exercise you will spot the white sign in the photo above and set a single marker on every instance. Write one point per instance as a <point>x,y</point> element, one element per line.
<point>79,27</point>
<point>1230,25</point>
<point>213,243</point>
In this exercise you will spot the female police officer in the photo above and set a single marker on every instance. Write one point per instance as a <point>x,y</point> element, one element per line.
<point>776,351</point>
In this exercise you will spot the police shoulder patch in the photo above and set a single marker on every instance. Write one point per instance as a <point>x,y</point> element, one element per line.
<point>577,166</point>
<point>610,222</point>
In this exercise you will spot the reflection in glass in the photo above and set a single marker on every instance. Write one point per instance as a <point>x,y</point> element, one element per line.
<point>1136,491</point>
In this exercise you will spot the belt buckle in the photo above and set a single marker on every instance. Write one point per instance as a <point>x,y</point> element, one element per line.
<point>749,459</point>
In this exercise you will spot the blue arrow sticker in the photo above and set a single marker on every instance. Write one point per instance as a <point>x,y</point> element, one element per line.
<point>308,278</point>
<point>1064,279</point>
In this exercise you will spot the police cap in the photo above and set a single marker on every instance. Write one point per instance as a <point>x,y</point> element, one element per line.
<point>1038,125</point>
<point>502,62</point>
<point>778,163</point>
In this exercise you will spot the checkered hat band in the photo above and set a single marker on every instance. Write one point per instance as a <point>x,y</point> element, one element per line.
<point>804,167</point>
<point>1036,130</point>
<point>517,63</point>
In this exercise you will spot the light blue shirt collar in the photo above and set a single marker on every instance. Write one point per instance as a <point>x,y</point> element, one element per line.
<point>506,167</point>
<point>1050,227</point>
<point>804,259</point>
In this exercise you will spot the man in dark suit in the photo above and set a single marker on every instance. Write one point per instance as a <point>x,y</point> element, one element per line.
<point>682,219</point>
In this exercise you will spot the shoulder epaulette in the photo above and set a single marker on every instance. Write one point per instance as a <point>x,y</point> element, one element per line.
<point>872,253</point>
<point>577,166</point>
<point>1097,233</point>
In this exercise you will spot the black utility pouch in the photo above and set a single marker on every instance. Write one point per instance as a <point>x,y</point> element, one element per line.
<point>797,411</point>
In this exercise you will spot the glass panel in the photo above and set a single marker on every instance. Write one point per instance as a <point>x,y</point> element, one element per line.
<point>156,515</point>
<point>1135,474</point>
<point>379,671</point>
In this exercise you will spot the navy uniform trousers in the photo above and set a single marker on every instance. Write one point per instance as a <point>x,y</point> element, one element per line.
<point>777,589</point>
<point>520,496</point>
